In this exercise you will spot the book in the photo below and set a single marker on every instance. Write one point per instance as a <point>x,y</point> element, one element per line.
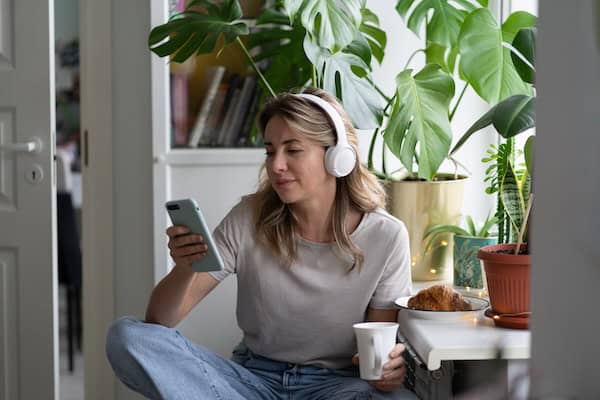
<point>179,108</point>
<point>199,136</point>
<point>214,121</point>
<point>229,106</point>
<point>249,119</point>
<point>176,6</point>
<point>232,133</point>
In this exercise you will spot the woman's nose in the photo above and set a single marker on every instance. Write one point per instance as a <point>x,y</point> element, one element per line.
<point>278,162</point>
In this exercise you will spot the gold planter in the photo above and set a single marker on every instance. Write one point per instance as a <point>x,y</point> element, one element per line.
<point>420,205</point>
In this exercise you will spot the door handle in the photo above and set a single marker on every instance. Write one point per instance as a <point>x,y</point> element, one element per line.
<point>33,146</point>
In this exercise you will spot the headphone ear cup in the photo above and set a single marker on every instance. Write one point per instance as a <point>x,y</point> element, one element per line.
<point>340,160</point>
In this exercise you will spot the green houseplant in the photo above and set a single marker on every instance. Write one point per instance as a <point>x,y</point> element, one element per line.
<point>333,44</point>
<point>507,265</point>
<point>466,242</point>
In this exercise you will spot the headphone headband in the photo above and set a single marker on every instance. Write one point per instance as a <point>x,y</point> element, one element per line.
<point>340,159</point>
<point>334,116</point>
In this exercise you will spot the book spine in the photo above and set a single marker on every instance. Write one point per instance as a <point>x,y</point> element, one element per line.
<point>212,124</point>
<point>244,138</point>
<point>241,111</point>
<point>199,133</point>
<point>229,104</point>
<point>179,108</point>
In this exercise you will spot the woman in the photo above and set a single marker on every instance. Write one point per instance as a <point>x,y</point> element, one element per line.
<point>314,253</point>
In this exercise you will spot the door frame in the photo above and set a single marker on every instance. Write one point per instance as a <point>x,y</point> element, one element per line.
<point>117,219</point>
<point>97,193</point>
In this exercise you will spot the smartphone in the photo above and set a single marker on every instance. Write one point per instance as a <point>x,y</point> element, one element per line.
<point>187,213</point>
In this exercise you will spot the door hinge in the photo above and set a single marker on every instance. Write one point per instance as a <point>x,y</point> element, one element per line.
<point>85,148</point>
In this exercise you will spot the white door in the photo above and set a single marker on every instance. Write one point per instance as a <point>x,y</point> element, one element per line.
<point>28,274</point>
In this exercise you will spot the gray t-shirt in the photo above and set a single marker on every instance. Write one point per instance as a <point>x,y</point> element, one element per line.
<point>304,314</point>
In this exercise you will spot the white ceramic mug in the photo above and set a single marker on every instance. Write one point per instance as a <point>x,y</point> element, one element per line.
<point>375,341</point>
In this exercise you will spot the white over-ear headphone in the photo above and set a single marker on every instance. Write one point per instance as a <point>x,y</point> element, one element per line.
<point>340,159</point>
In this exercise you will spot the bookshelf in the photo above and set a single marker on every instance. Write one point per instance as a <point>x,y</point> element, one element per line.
<point>216,177</point>
<point>213,96</point>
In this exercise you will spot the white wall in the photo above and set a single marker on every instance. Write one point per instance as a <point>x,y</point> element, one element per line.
<point>566,260</point>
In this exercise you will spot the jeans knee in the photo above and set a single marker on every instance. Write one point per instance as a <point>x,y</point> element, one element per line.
<point>122,333</point>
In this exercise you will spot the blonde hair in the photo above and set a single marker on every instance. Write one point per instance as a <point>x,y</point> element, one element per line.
<point>276,226</point>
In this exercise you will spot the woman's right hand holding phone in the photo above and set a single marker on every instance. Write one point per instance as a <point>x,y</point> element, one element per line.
<point>178,292</point>
<point>185,247</point>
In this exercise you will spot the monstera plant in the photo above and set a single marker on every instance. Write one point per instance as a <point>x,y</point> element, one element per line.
<point>333,44</point>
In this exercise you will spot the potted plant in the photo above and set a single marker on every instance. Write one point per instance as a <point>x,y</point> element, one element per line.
<point>507,265</point>
<point>466,242</point>
<point>332,44</point>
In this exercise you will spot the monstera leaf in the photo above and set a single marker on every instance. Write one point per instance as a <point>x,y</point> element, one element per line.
<point>282,44</point>
<point>444,26</point>
<point>335,74</point>
<point>524,43</point>
<point>515,22</point>
<point>443,56</point>
<point>194,31</point>
<point>375,36</point>
<point>334,23</point>
<point>420,116</point>
<point>484,62</point>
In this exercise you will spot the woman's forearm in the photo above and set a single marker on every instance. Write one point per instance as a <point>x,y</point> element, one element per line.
<point>175,295</point>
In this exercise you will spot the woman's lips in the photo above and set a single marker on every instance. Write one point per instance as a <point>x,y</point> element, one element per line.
<point>283,183</point>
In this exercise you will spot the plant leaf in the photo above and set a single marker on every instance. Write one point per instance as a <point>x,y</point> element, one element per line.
<point>446,19</point>
<point>437,229</point>
<point>192,32</point>
<point>273,16</point>
<point>524,42</point>
<point>420,115</point>
<point>444,57</point>
<point>282,44</point>
<point>432,233</point>
<point>482,122</point>
<point>487,225</point>
<point>512,198</point>
<point>471,226</point>
<point>515,22</point>
<point>514,115</point>
<point>360,47</point>
<point>332,23</point>
<point>511,116</point>
<point>335,72</point>
<point>529,146</point>
<point>376,37</point>
<point>484,62</point>
<point>402,7</point>
<point>291,8</point>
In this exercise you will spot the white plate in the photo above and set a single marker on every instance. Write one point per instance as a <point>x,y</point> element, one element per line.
<point>478,305</point>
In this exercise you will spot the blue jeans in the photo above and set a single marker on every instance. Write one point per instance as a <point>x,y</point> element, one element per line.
<point>160,363</point>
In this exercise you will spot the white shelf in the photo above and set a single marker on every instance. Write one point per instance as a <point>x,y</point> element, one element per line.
<point>215,156</point>
<point>469,339</point>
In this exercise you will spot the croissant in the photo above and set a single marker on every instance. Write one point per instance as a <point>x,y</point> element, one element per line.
<point>439,298</point>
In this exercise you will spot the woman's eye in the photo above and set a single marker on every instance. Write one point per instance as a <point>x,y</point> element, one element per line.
<point>268,153</point>
<point>294,151</point>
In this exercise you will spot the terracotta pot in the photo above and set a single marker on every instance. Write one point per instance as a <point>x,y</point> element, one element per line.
<point>507,277</point>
